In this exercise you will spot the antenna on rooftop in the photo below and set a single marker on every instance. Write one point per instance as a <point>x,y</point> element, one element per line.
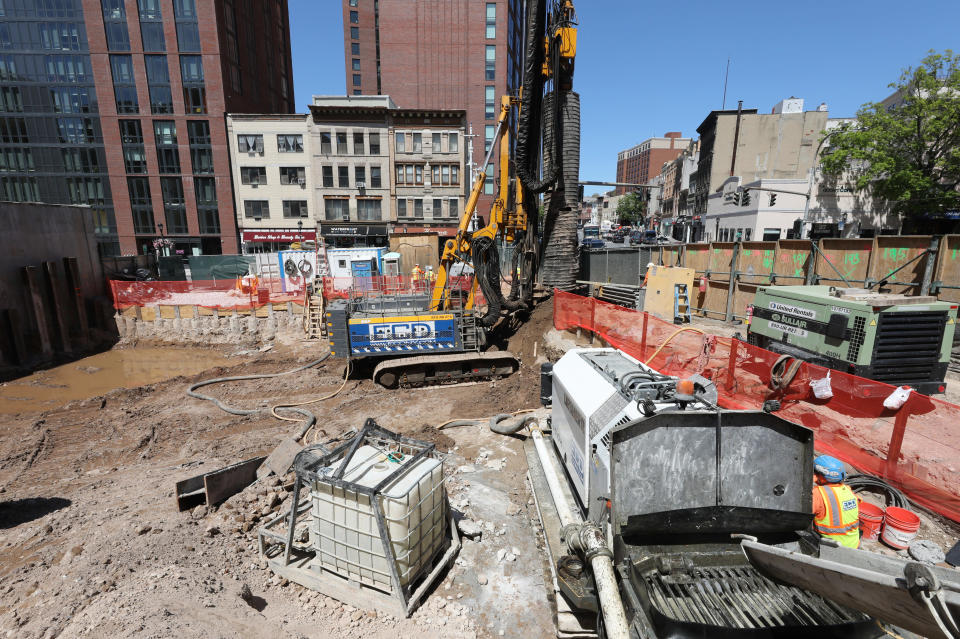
<point>725,78</point>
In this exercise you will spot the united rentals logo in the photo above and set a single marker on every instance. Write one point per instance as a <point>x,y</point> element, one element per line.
<point>793,310</point>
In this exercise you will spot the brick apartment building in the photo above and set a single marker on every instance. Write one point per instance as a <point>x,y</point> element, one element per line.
<point>119,104</point>
<point>425,54</point>
<point>353,170</point>
<point>641,163</point>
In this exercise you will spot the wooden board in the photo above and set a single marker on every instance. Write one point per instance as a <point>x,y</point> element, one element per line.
<point>168,312</point>
<point>851,257</point>
<point>721,253</point>
<point>756,262</point>
<point>948,268</point>
<point>892,252</point>
<point>280,460</point>
<point>659,296</point>
<point>697,257</point>
<point>791,262</point>
<point>218,485</point>
<point>743,297</point>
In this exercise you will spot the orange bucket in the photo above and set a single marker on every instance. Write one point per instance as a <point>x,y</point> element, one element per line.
<point>871,519</point>
<point>900,526</point>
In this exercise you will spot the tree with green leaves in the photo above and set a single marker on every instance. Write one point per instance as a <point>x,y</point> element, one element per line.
<point>631,209</point>
<point>907,153</point>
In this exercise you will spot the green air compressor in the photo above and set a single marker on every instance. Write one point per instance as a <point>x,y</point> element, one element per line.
<point>898,339</point>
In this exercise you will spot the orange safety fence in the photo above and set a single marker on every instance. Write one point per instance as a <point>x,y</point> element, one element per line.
<point>253,292</point>
<point>241,293</point>
<point>916,448</point>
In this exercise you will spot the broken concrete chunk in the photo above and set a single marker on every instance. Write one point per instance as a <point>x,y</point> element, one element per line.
<point>469,528</point>
<point>482,580</point>
<point>512,509</point>
<point>465,469</point>
<point>501,554</point>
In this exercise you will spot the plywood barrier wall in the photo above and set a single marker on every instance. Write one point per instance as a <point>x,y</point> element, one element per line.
<point>893,251</point>
<point>948,269</point>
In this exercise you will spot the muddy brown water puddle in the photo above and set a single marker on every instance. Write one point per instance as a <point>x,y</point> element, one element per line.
<point>101,373</point>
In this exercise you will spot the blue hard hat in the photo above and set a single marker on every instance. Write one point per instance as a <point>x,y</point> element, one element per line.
<point>830,468</point>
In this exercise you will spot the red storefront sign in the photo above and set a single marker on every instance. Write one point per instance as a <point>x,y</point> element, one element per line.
<point>278,236</point>
<point>440,230</point>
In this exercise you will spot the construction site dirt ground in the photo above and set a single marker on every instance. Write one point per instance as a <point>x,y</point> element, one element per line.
<point>92,542</point>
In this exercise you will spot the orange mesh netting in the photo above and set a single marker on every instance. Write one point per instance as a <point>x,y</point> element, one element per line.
<point>915,448</point>
<point>253,292</point>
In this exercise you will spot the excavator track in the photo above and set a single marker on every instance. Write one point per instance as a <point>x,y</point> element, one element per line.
<point>430,370</point>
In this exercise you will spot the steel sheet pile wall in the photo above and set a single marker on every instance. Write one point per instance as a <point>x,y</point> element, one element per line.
<point>916,448</point>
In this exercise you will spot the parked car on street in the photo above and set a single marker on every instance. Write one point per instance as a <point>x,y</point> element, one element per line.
<point>592,243</point>
<point>636,237</point>
<point>618,237</point>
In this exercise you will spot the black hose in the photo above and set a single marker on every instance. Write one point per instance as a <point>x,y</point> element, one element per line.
<point>310,418</point>
<point>859,483</point>
<point>486,263</point>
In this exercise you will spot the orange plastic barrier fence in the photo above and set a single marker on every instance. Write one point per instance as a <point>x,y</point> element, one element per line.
<point>249,292</point>
<point>915,448</point>
<point>242,293</point>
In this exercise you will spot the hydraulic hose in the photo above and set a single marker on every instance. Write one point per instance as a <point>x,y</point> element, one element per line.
<point>309,418</point>
<point>667,341</point>
<point>499,424</point>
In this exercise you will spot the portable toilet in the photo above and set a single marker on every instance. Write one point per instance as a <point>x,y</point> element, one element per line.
<point>391,264</point>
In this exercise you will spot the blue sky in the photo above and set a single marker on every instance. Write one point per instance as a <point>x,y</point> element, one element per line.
<point>644,68</point>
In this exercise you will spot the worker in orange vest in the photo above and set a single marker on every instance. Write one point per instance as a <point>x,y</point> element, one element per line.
<point>416,276</point>
<point>836,509</point>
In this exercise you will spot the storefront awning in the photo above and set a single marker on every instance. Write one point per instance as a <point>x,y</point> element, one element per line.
<point>352,230</point>
<point>278,236</point>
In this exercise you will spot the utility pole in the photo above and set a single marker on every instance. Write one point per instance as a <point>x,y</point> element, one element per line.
<point>474,222</point>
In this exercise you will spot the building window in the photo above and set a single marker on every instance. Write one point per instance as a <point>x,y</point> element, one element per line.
<point>360,176</point>
<point>375,177</point>
<point>417,143</point>
<point>158,80</point>
<point>453,144</point>
<point>325,143</point>
<point>253,175</point>
<point>188,37</point>
<point>185,9</point>
<point>290,143</point>
<point>454,207</point>
<point>358,144</point>
<point>70,100</point>
<point>343,177</point>
<point>293,175</point>
<point>174,207</point>
<point>490,66</point>
<point>250,143</point>
<point>201,153</point>
<point>168,154</point>
<point>435,143</point>
<point>401,142</point>
<point>401,207</point>
<point>355,64</point>
<point>194,91</point>
<point>356,79</point>
<point>134,159</point>
<point>374,143</point>
<point>491,21</point>
<point>13,130</point>
<point>85,191</point>
<point>75,131</point>
<point>357,92</point>
<point>20,189</point>
<point>368,209</point>
<point>294,208</point>
<point>354,48</point>
<point>354,33</point>
<point>488,133</point>
<point>354,17</point>
<point>409,174</point>
<point>20,160</point>
<point>353,3</point>
<point>124,85</point>
<point>490,102</point>
<point>336,209</point>
<point>437,208</point>
<point>256,209</point>
<point>75,160</point>
<point>418,208</point>
<point>488,182</point>
<point>130,132</point>
<point>208,214</point>
<point>342,144</point>
<point>141,205</point>
<point>151,25</point>
<point>328,176</point>
<point>115,25</point>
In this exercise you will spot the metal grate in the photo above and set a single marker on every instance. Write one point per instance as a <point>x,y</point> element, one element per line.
<point>907,346</point>
<point>602,416</point>
<point>740,597</point>
<point>857,335</point>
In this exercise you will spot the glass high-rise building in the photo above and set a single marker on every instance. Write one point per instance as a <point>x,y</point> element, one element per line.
<point>119,104</point>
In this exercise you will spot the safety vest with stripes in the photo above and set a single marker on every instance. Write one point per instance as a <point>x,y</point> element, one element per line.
<point>841,519</point>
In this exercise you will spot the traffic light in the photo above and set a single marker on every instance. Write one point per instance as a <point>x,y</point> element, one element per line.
<point>745,198</point>
<point>736,198</point>
<point>773,199</point>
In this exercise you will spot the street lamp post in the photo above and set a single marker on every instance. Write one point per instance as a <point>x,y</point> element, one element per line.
<point>300,232</point>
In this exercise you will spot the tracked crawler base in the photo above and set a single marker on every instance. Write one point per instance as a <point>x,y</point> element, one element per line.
<point>452,368</point>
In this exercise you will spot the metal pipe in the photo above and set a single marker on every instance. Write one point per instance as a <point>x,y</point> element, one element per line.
<point>928,267</point>
<point>593,544</point>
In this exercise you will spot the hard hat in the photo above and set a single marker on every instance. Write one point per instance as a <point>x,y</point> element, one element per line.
<point>830,468</point>
<point>650,264</point>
